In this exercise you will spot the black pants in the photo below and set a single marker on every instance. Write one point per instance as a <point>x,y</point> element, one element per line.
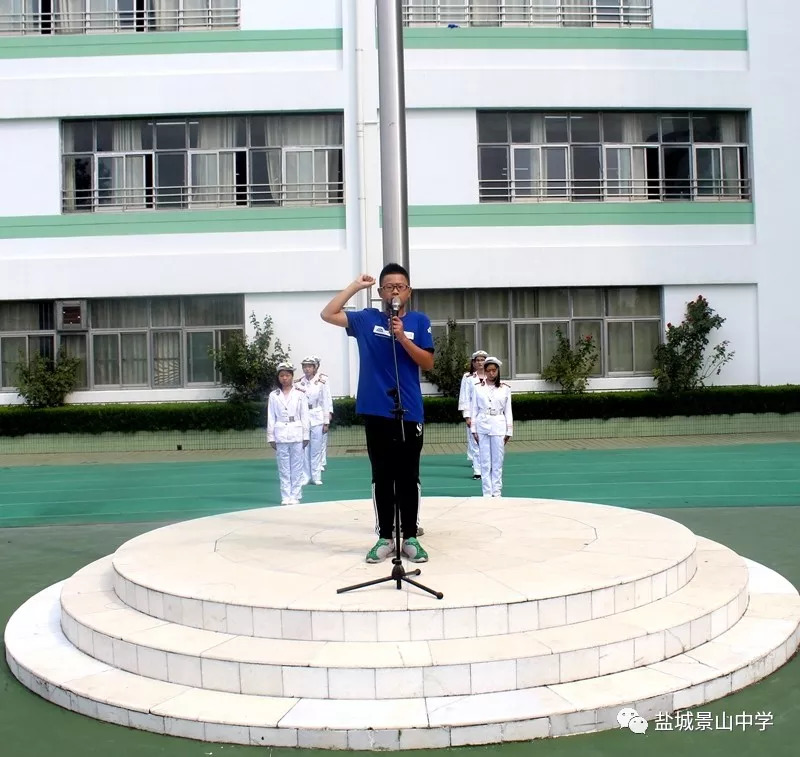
<point>395,472</point>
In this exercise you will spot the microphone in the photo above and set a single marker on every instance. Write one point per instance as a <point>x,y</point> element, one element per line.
<point>395,306</point>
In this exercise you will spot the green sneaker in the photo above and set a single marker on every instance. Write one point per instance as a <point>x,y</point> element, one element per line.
<point>414,551</point>
<point>382,549</point>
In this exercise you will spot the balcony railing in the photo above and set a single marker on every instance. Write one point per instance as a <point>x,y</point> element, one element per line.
<point>614,190</point>
<point>202,197</point>
<point>105,22</point>
<point>604,13</point>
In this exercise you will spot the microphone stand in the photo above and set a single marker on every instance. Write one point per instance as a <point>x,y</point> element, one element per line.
<point>399,574</point>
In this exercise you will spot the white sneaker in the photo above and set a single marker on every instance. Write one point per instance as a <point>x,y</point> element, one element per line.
<point>317,482</point>
<point>286,502</point>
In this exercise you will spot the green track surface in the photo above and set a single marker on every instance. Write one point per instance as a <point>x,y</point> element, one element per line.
<point>57,519</point>
<point>760,474</point>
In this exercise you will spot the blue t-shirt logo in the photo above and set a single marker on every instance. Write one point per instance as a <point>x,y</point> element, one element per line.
<point>371,329</point>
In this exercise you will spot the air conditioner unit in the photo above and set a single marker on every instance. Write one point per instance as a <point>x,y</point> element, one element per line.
<point>72,315</point>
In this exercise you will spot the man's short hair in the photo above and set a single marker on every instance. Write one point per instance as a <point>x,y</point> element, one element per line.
<point>390,268</point>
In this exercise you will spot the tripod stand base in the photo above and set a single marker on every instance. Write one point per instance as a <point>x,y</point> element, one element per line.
<point>399,575</point>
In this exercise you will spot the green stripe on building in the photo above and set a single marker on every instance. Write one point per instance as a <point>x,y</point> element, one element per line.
<point>582,214</point>
<point>332,217</point>
<point>298,40</point>
<point>169,43</point>
<point>505,38</point>
<point>318,218</point>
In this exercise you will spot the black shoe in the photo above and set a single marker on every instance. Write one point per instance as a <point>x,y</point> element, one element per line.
<point>476,475</point>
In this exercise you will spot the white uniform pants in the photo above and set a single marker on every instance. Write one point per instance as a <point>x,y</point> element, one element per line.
<point>472,452</point>
<point>492,451</point>
<point>290,469</point>
<point>313,455</point>
<point>324,450</point>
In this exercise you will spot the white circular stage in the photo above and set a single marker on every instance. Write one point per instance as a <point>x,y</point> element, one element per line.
<point>518,555</point>
<point>555,616</point>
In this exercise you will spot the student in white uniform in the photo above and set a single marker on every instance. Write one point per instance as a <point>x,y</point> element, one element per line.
<point>320,410</point>
<point>288,433</point>
<point>492,426</point>
<point>468,382</point>
<point>325,435</point>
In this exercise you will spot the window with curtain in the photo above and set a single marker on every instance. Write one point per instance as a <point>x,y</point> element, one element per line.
<point>201,162</point>
<point>27,329</point>
<point>75,345</point>
<point>520,326</point>
<point>19,16</point>
<point>136,342</point>
<point>16,349</point>
<point>90,16</point>
<point>157,341</point>
<point>423,12</point>
<point>13,351</point>
<point>529,12</point>
<point>528,156</point>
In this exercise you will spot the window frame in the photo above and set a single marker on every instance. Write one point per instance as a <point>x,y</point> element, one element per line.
<point>144,18</point>
<point>662,188</point>
<point>152,195</point>
<point>567,321</point>
<point>217,310</point>
<point>501,13</point>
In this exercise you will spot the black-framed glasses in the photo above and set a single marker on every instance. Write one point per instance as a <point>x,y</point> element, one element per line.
<point>394,287</point>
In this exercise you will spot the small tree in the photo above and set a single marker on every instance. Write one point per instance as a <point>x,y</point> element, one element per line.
<point>572,367</point>
<point>450,361</point>
<point>44,382</point>
<point>248,367</point>
<point>683,362</point>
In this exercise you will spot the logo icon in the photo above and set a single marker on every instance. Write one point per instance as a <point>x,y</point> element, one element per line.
<point>627,717</point>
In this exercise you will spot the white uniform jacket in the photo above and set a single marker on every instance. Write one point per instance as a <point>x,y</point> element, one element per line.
<point>287,416</point>
<point>468,383</point>
<point>490,410</point>
<point>318,394</point>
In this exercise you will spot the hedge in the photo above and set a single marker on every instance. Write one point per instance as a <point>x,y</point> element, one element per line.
<point>224,416</point>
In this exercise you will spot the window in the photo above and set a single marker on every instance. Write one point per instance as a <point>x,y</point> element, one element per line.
<point>615,13</point>
<point>27,329</point>
<point>204,162</point>
<point>526,156</point>
<point>91,16</point>
<point>128,342</point>
<point>520,326</point>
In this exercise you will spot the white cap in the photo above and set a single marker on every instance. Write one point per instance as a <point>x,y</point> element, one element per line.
<point>492,360</point>
<point>479,353</point>
<point>285,367</point>
<point>310,360</point>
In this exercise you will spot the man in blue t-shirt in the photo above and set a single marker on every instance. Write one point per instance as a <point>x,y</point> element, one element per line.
<point>395,463</point>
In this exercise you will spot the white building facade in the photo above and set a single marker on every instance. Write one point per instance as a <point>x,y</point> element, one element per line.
<point>170,167</point>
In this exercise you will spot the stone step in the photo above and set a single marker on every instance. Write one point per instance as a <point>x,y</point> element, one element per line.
<point>96,622</point>
<point>523,565</point>
<point>41,657</point>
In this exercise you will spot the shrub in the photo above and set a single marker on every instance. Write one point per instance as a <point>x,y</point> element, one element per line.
<point>571,367</point>
<point>683,362</point>
<point>44,382</point>
<point>124,418</point>
<point>450,361</point>
<point>243,416</point>
<point>248,367</point>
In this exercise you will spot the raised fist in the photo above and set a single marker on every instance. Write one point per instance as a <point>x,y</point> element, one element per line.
<point>364,281</point>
